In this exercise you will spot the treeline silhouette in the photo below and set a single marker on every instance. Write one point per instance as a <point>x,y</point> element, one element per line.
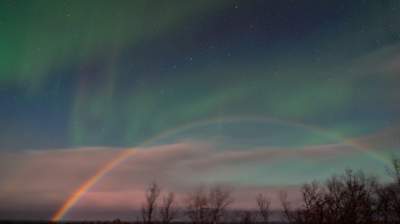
<point>352,197</point>
<point>349,198</point>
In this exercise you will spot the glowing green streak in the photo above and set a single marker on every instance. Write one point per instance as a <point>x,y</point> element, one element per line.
<point>38,36</point>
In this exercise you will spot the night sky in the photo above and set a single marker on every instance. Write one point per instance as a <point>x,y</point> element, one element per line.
<point>262,95</point>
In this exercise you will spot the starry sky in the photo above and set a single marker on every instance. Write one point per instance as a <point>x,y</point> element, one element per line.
<point>263,95</point>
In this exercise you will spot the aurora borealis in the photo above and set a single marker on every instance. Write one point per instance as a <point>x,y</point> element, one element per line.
<point>258,94</point>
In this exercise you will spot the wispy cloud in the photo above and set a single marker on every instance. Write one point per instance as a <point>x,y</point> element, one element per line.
<point>47,178</point>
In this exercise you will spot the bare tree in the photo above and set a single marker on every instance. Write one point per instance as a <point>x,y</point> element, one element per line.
<point>288,211</point>
<point>385,204</point>
<point>246,217</point>
<point>357,204</point>
<point>168,210</point>
<point>263,204</point>
<point>395,188</point>
<point>311,209</point>
<point>349,198</point>
<point>150,205</point>
<point>313,203</point>
<point>197,205</point>
<point>285,204</point>
<point>219,199</point>
<point>394,170</point>
<point>389,195</point>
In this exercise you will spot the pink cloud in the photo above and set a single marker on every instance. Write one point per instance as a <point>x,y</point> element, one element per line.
<point>47,178</point>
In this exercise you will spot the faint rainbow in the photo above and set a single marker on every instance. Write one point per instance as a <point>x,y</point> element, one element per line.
<point>77,194</point>
<point>227,119</point>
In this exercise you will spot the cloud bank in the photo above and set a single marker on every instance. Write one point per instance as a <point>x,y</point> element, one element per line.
<point>35,184</point>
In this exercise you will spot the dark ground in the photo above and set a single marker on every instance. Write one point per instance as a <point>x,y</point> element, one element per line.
<point>89,222</point>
